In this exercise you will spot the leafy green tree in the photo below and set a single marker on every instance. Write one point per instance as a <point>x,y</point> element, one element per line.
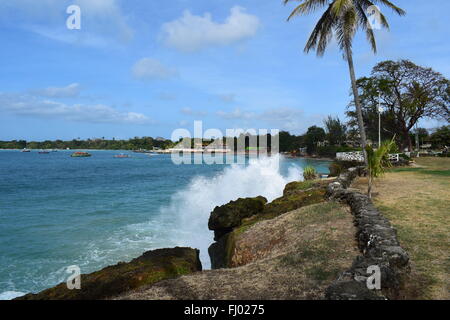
<point>336,131</point>
<point>22,144</point>
<point>441,137</point>
<point>289,142</point>
<point>341,19</point>
<point>313,136</point>
<point>422,134</point>
<point>407,93</point>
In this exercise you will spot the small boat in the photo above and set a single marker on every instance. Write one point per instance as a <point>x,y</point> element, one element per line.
<point>26,150</point>
<point>121,155</point>
<point>44,152</point>
<point>80,154</point>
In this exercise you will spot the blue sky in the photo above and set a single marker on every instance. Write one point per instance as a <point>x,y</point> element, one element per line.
<point>145,68</point>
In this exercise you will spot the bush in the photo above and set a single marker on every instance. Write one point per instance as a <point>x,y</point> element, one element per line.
<point>335,169</point>
<point>339,166</point>
<point>309,173</point>
<point>404,156</point>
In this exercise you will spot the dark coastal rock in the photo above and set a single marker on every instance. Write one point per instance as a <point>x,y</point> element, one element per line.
<point>377,241</point>
<point>151,267</point>
<point>294,200</point>
<point>224,218</point>
<point>220,251</point>
<point>299,186</point>
<point>229,220</point>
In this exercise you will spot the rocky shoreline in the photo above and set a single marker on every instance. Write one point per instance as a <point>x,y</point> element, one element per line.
<point>251,234</point>
<point>149,268</point>
<point>233,218</point>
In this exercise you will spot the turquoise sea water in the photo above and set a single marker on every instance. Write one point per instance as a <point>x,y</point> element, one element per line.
<point>57,211</point>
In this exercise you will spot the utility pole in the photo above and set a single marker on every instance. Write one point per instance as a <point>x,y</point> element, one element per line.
<point>417,141</point>
<point>379,119</point>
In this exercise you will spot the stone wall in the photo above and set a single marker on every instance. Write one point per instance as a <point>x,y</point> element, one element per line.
<point>378,244</point>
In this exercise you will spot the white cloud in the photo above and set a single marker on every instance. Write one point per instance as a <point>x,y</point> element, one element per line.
<point>189,112</point>
<point>191,33</point>
<point>29,105</point>
<point>149,69</point>
<point>106,17</point>
<point>72,90</point>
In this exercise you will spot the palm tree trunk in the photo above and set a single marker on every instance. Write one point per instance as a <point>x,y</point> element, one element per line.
<point>362,131</point>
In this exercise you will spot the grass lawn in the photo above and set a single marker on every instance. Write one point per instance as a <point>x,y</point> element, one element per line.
<point>417,202</point>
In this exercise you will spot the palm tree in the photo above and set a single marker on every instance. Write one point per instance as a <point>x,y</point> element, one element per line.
<point>378,161</point>
<point>342,19</point>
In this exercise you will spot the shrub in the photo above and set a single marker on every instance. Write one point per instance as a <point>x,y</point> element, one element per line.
<point>339,166</point>
<point>309,173</point>
<point>335,169</point>
<point>404,156</point>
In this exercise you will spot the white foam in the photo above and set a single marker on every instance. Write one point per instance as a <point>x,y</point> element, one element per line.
<point>9,295</point>
<point>192,206</point>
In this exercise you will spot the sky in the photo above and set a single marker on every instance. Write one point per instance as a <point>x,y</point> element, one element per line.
<point>146,68</point>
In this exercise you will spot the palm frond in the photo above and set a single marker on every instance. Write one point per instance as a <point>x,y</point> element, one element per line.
<point>346,28</point>
<point>365,4</point>
<point>321,34</point>
<point>306,7</point>
<point>342,18</point>
<point>378,160</point>
<point>389,4</point>
<point>340,6</point>
<point>364,23</point>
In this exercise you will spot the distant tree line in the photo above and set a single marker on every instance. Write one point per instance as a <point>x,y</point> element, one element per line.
<point>321,141</point>
<point>324,141</point>
<point>135,143</point>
